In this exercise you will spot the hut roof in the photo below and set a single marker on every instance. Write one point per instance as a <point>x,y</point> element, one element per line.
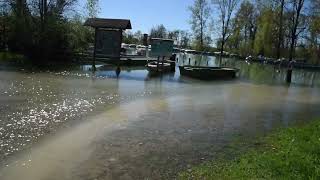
<point>108,23</point>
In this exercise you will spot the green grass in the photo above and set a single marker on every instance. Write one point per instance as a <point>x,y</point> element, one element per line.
<point>11,57</point>
<point>292,153</point>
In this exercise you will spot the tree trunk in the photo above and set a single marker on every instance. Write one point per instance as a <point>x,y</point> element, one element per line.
<point>201,36</point>
<point>292,48</point>
<point>295,19</point>
<point>222,48</point>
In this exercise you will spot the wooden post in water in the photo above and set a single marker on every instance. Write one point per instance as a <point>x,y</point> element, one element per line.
<point>289,72</point>
<point>158,63</point>
<point>289,76</point>
<point>189,61</point>
<point>94,50</point>
<point>162,63</point>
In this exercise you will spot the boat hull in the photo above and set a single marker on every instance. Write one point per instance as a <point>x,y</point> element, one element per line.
<point>208,73</point>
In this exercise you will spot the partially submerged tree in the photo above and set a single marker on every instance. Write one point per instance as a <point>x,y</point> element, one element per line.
<point>200,15</point>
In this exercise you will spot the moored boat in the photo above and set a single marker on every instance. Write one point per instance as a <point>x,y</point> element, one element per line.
<point>208,73</point>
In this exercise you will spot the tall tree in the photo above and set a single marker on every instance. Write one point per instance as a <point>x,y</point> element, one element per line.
<point>92,8</point>
<point>297,6</point>
<point>280,33</point>
<point>158,32</point>
<point>245,23</point>
<point>200,14</point>
<point>314,32</point>
<point>184,39</point>
<point>226,8</point>
<point>265,41</point>
<point>4,18</point>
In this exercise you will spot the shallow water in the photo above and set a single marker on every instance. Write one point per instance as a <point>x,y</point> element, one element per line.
<point>75,125</point>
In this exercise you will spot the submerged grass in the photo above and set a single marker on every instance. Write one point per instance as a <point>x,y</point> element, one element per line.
<point>292,153</point>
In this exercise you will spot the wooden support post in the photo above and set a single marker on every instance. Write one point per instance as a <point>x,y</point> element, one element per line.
<point>189,61</point>
<point>289,72</point>
<point>289,76</point>
<point>158,63</point>
<point>162,63</point>
<point>121,39</point>
<point>94,50</point>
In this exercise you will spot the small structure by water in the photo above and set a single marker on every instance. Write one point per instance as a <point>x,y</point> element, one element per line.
<point>108,36</point>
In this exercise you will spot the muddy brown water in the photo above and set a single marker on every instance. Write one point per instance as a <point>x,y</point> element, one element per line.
<point>75,125</point>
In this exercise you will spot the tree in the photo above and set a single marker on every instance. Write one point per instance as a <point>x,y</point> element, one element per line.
<point>314,32</point>
<point>280,33</point>
<point>266,36</point>
<point>4,18</point>
<point>184,39</point>
<point>297,6</point>
<point>200,14</point>
<point>158,32</point>
<point>132,38</point>
<point>92,8</point>
<point>244,27</point>
<point>226,8</point>
<point>174,35</point>
<point>138,36</point>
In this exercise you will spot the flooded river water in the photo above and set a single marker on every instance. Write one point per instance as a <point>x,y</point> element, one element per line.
<point>75,125</point>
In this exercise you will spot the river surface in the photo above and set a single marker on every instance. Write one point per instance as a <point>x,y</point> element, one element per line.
<point>77,125</point>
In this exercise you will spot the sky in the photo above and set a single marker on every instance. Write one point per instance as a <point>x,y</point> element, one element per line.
<point>144,14</point>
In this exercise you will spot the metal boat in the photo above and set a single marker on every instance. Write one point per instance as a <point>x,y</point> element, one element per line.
<point>208,73</point>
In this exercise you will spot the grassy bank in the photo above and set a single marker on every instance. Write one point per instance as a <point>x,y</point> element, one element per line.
<point>8,57</point>
<point>292,153</point>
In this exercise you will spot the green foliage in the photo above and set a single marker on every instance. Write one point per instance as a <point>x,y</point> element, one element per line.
<point>11,57</point>
<point>243,29</point>
<point>79,36</point>
<point>200,17</point>
<point>133,38</point>
<point>42,33</point>
<point>265,37</point>
<point>159,32</point>
<point>92,8</point>
<point>287,154</point>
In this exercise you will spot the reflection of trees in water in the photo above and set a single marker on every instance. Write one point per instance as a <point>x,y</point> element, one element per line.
<point>263,73</point>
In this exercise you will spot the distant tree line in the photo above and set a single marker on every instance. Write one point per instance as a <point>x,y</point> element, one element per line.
<point>48,29</point>
<point>273,28</point>
<point>181,37</point>
<point>44,30</point>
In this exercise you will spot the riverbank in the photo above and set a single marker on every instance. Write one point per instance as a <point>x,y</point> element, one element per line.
<point>286,154</point>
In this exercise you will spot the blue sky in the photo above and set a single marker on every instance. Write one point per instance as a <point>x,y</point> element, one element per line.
<point>144,14</point>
